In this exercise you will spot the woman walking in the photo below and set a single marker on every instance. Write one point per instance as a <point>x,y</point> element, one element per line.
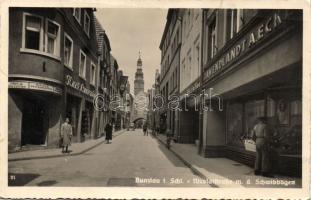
<point>66,135</point>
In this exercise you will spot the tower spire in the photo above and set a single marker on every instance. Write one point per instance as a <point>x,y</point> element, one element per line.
<point>139,62</point>
<point>139,76</point>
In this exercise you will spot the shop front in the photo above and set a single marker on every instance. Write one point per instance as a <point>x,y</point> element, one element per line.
<point>258,74</point>
<point>281,105</point>
<point>35,113</point>
<point>188,114</point>
<point>80,110</point>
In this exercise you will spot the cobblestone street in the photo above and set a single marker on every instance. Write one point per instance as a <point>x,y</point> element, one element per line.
<point>129,156</point>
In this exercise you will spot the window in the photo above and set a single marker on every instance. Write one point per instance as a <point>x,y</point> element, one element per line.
<point>235,124</point>
<point>86,23</point>
<point>33,32</point>
<point>235,21</point>
<point>68,51</point>
<point>189,64</point>
<point>176,76</point>
<point>77,14</point>
<point>198,58</point>
<point>253,110</point>
<point>212,39</point>
<point>92,74</point>
<point>52,37</point>
<point>82,64</point>
<point>40,36</point>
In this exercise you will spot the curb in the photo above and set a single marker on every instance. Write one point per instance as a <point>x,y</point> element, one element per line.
<point>63,155</point>
<point>190,166</point>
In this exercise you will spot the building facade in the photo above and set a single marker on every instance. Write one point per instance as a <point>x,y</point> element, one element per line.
<point>52,75</point>
<point>235,66</point>
<point>170,64</point>
<point>252,67</point>
<point>104,49</point>
<point>113,90</point>
<point>190,73</point>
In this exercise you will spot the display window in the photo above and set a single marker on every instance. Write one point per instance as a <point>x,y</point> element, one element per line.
<point>284,120</point>
<point>235,124</point>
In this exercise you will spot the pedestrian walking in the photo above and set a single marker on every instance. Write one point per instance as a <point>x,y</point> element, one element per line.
<point>261,136</point>
<point>108,130</point>
<point>157,130</point>
<point>66,135</point>
<point>169,136</point>
<point>145,128</point>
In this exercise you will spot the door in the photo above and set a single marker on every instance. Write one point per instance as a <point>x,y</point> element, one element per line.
<point>34,122</point>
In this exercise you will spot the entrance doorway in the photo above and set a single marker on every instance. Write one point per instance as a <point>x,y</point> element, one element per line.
<point>34,122</point>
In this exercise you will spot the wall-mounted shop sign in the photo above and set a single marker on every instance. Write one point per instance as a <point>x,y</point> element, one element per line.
<point>79,86</point>
<point>32,85</point>
<point>244,44</point>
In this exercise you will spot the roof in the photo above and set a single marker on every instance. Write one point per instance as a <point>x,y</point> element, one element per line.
<point>123,79</point>
<point>168,20</point>
<point>101,36</point>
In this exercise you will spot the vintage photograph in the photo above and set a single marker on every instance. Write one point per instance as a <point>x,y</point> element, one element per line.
<point>155,97</point>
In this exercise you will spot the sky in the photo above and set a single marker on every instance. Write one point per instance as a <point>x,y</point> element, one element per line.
<point>131,30</point>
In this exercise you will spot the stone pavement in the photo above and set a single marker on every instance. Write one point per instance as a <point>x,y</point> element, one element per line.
<point>75,149</point>
<point>131,159</point>
<point>225,172</point>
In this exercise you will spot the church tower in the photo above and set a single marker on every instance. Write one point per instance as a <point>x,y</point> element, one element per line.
<point>139,77</point>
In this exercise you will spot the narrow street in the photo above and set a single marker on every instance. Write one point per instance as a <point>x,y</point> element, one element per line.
<point>130,156</point>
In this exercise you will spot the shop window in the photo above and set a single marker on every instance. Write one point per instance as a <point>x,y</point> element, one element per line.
<point>253,110</point>
<point>86,23</point>
<point>77,14</point>
<point>270,108</point>
<point>235,124</point>
<point>296,113</point>
<point>296,108</point>
<point>82,64</point>
<point>33,32</point>
<point>283,112</point>
<point>93,71</point>
<point>68,51</point>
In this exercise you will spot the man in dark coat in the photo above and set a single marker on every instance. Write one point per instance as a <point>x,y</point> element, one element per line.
<point>108,130</point>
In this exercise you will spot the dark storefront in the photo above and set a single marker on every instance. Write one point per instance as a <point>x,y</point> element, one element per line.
<point>80,109</point>
<point>33,115</point>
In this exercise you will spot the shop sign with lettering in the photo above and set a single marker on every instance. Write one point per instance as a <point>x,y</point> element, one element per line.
<point>31,85</point>
<point>79,86</point>
<point>243,45</point>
